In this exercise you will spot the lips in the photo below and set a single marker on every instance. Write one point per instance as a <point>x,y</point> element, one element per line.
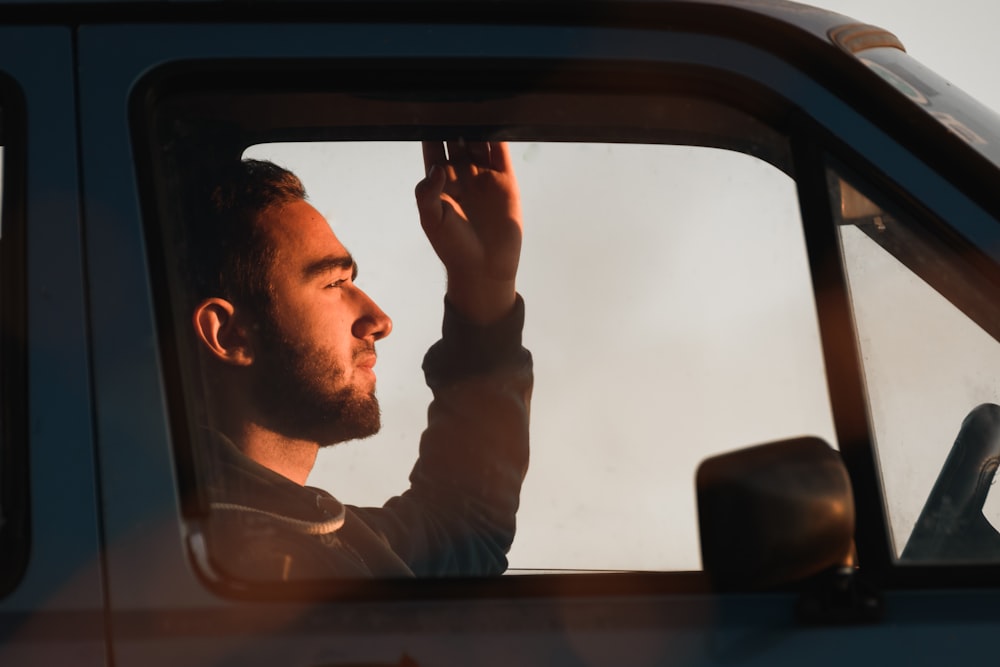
<point>365,359</point>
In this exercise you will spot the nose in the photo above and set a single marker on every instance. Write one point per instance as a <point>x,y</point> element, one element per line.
<point>372,322</point>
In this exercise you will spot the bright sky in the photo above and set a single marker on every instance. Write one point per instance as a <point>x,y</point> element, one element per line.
<point>662,332</point>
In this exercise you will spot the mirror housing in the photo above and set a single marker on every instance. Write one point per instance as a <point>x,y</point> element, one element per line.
<point>774,514</point>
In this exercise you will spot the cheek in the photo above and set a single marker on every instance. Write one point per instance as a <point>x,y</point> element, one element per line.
<point>324,322</point>
<point>328,336</point>
<point>305,317</point>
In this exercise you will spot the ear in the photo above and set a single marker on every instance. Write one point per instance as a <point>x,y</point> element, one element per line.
<point>223,337</point>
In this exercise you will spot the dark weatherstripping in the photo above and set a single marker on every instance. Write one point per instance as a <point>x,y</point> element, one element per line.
<point>13,354</point>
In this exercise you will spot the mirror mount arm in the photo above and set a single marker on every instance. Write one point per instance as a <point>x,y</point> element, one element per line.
<point>839,596</point>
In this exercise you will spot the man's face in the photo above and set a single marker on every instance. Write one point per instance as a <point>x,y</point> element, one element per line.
<point>313,366</point>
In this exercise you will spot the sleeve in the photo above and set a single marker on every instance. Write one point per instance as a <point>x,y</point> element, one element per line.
<point>458,517</point>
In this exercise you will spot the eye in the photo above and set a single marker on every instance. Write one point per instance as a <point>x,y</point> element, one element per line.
<point>338,283</point>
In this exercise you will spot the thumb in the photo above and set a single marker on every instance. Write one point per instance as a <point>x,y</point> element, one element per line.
<point>428,194</point>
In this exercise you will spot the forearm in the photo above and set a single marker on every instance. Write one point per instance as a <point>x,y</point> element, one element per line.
<point>458,518</point>
<point>481,300</point>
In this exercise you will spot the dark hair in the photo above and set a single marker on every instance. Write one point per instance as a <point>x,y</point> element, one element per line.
<point>228,253</point>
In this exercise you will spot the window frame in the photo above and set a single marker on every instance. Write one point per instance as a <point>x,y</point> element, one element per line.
<point>740,94</point>
<point>824,150</point>
<point>813,111</point>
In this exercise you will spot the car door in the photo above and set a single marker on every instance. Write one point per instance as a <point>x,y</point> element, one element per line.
<point>158,100</point>
<point>52,602</point>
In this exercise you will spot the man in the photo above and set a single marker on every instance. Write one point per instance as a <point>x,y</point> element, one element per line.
<point>287,342</point>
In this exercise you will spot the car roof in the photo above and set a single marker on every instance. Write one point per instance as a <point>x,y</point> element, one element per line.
<point>823,43</point>
<point>791,30</point>
<point>809,19</point>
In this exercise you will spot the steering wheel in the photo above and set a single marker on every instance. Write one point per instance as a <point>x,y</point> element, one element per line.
<point>951,526</point>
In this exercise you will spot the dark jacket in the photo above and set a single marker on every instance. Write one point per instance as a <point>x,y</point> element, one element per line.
<point>456,519</point>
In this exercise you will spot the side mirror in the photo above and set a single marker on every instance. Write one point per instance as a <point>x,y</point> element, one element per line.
<point>773,514</point>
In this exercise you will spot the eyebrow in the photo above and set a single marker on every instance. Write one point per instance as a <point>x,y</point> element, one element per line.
<point>329,263</point>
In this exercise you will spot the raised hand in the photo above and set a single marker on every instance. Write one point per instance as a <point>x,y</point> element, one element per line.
<point>470,211</point>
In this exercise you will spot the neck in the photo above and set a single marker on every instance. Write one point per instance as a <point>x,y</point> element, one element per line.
<point>230,404</point>
<point>288,457</point>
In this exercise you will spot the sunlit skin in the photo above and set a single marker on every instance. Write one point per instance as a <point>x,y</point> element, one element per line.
<point>469,210</point>
<point>314,294</point>
<point>314,302</point>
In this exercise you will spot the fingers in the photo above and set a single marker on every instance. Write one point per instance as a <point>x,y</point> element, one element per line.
<point>499,156</point>
<point>458,151</point>
<point>455,166</point>
<point>433,155</point>
<point>467,156</point>
<point>428,196</point>
<point>479,153</point>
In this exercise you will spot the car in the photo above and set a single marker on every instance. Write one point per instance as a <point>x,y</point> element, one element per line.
<point>761,270</point>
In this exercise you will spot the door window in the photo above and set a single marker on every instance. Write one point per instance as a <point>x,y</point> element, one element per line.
<point>669,314</point>
<point>669,309</point>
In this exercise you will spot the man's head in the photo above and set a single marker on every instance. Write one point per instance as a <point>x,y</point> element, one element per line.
<point>229,254</point>
<point>289,336</point>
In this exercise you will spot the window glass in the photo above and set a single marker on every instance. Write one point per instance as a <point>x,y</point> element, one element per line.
<point>923,318</point>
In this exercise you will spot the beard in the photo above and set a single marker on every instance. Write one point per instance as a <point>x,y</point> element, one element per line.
<point>300,392</point>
